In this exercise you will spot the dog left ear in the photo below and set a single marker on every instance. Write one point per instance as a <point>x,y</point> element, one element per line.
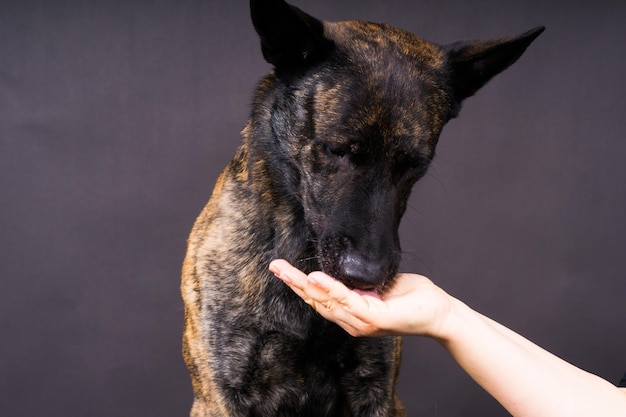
<point>474,63</point>
<point>290,38</point>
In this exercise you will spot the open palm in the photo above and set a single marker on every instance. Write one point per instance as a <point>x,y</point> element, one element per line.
<point>412,305</point>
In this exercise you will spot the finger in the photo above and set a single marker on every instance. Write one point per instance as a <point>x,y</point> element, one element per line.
<point>330,298</point>
<point>318,285</point>
<point>336,313</point>
<point>361,305</point>
<point>325,294</point>
<point>349,323</point>
<point>329,286</point>
<point>357,313</point>
<point>286,272</point>
<point>298,282</point>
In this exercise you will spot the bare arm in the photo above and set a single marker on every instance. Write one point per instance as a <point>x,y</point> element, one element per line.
<point>526,379</point>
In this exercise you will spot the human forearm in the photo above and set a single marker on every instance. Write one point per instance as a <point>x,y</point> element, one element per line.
<point>526,379</point>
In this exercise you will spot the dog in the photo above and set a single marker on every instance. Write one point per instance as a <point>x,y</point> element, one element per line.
<point>339,132</point>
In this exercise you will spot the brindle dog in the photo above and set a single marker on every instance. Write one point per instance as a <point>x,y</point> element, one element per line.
<point>340,131</point>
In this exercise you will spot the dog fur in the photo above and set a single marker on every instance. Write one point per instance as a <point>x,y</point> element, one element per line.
<point>339,132</point>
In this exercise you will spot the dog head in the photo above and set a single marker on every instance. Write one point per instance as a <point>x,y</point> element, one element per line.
<point>349,120</point>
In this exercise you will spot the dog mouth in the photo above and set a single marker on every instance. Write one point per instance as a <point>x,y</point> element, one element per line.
<point>360,287</point>
<point>365,274</point>
<point>376,291</point>
<point>373,286</point>
<point>365,278</point>
<point>369,293</point>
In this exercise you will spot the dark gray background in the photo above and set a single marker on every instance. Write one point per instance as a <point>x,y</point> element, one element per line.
<point>117,116</point>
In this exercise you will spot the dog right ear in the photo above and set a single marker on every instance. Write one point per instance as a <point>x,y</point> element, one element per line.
<point>290,38</point>
<point>474,63</point>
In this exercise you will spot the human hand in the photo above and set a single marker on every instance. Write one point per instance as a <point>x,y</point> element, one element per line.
<point>413,305</point>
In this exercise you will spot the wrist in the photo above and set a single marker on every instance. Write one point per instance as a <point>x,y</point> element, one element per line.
<point>451,324</point>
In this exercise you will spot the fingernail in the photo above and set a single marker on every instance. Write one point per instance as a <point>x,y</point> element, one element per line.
<point>279,273</point>
<point>274,269</point>
<point>312,279</point>
<point>284,278</point>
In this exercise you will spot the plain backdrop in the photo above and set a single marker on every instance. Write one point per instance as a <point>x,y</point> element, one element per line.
<point>117,116</point>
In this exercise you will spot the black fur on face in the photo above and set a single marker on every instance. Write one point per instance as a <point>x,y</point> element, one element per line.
<point>354,133</point>
<point>348,122</point>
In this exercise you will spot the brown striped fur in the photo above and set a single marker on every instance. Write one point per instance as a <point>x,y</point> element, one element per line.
<point>339,132</point>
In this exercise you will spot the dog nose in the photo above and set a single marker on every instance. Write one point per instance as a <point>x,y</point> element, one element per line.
<point>361,273</point>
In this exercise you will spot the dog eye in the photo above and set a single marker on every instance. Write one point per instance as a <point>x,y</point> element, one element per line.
<point>352,149</point>
<point>335,150</point>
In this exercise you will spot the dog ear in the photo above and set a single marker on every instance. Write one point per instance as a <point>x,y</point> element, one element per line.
<point>474,63</point>
<point>290,38</point>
